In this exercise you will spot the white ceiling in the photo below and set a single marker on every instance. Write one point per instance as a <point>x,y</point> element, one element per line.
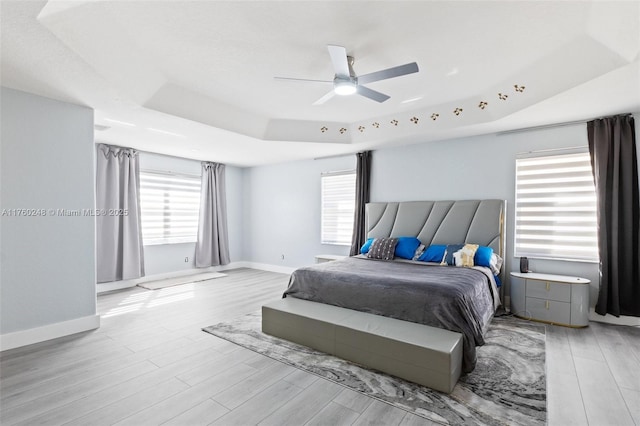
<point>201,73</point>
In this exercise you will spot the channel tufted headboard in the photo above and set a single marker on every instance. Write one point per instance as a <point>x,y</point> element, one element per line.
<point>441,222</point>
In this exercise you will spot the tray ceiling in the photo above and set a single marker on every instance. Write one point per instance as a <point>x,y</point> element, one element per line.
<point>200,74</point>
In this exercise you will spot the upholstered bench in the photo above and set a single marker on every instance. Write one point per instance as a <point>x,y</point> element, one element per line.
<point>425,355</point>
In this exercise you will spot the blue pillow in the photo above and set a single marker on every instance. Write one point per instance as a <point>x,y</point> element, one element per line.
<point>483,256</point>
<point>433,253</point>
<point>498,281</point>
<point>366,246</point>
<point>406,247</point>
<point>452,248</point>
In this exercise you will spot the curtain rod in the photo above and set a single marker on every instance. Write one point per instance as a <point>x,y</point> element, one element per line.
<point>168,173</point>
<point>333,156</point>
<point>568,148</point>
<point>340,155</point>
<point>551,126</point>
<point>543,127</point>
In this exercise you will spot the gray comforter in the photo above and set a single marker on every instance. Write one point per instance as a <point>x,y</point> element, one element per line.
<point>457,299</point>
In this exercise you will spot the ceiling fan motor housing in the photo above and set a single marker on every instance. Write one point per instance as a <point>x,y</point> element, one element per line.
<point>343,85</point>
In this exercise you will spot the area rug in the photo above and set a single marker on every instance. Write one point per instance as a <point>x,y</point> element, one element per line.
<point>186,279</point>
<point>507,387</point>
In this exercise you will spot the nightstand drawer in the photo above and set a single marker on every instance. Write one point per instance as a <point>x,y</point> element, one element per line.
<point>549,290</point>
<point>549,310</point>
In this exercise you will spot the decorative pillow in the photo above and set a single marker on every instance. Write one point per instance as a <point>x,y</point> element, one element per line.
<point>448,255</point>
<point>434,253</point>
<point>483,256</point>
<point>464,256</point>
<point>366,246</point>
<point>418,252</point>
<point>407,247</point>
<point>383,248</point>
<point>495,264</point>
<point>498,281</point>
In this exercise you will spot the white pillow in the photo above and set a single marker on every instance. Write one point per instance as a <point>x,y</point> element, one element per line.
<point>495,264</point>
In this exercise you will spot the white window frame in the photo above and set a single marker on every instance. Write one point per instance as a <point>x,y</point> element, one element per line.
<point>170,206</point>
<point>556,207</point>
<point>337,206</point>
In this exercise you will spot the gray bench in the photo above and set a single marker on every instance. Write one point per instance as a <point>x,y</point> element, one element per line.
<point>425,355</point>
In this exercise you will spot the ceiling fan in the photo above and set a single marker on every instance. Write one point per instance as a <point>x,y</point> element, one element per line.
<point>346,82</point>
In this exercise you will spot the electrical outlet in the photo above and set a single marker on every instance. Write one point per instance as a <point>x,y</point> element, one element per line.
<point>186,260</point>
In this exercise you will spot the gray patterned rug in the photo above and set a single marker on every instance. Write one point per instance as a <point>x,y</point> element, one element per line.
<point>507,387</point>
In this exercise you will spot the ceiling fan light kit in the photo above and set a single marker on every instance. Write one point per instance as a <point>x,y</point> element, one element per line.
<point>344,87</point>
<point>346,82</point>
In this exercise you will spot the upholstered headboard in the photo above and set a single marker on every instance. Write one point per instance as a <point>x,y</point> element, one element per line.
<point>441,222</point>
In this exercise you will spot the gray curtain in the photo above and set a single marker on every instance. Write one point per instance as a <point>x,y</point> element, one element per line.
<point>212,248</point>
<point>119,248</point>
<point>363,178</point>
<point>612,145</point>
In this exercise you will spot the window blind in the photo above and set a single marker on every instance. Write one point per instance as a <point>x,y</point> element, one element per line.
<point>338,190</point>
<point>170,205</point>
<point>556,208</point>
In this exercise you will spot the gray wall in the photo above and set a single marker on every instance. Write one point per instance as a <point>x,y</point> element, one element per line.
<point>48,262</point>
<point>282,212</point>
<point>284,200</point>
<point>165,258</point>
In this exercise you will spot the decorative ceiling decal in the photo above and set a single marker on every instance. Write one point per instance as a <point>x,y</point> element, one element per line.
<point>415,119</point>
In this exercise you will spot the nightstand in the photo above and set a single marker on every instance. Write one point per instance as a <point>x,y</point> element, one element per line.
<point>554,299</point>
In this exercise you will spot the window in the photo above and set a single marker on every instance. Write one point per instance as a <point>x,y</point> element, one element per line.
<point>338,191</point>
<point>170,205</point>
<point>556,208</point>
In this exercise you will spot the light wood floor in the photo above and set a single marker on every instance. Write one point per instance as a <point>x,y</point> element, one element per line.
<point>151,364</point>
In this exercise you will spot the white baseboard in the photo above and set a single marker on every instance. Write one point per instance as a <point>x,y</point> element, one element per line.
<point>610,319</point>
<point>119,285</point>
<point>271,268</point>
<point>48,332</point>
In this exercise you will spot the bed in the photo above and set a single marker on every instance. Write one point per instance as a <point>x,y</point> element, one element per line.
<point>460,299</point>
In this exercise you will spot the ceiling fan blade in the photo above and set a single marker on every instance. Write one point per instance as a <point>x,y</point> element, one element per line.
<point>325,98</point>
<point>388,73</point>
<point>339,58</point>
<point>302,79</point>
<point>372,94</point>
